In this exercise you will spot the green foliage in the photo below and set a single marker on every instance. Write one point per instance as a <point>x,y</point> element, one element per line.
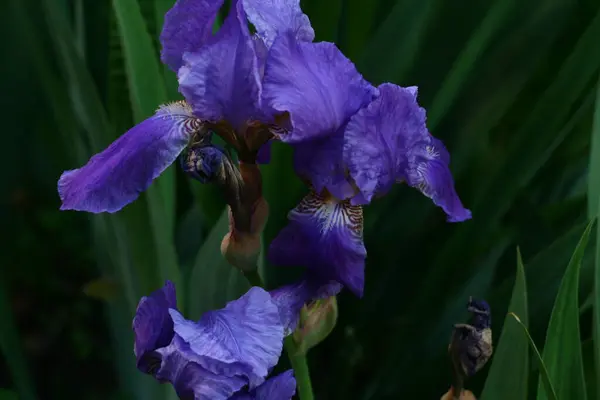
<point>562,348</point>
<point>509,87</point>
<point>509,371</point>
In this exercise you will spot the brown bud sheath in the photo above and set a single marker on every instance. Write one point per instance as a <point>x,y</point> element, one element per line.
<point>464,395</point>
<point>241,248</point>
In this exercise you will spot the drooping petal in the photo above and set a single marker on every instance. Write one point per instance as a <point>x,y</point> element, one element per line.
<point>378,137</point>
<point>188,27</point>
<point>316,84</point>
<point>152,324</point>
<point>221,81</point>
<point>280,387</point>
<point>325,236</point>
<point>115,177</point>
<point>246,337</point>
<point>291,298</point>
<point>191,380</point>
<point>272,17</point>
<point>428,171</point>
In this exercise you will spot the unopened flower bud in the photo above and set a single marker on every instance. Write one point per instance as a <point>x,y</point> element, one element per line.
<point>464,395</point>
<point>317,321</point>
<point>208,163</point>
<point>241,248</point>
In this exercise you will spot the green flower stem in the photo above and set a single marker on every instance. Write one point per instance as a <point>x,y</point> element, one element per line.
<point>254,278</point>
<point>298,360</point>
<point>301,372</point>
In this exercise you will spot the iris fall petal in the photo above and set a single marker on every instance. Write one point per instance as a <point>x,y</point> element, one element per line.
<point>115,177</point>
<point>247,332</point>
<point>325,236</point>
<point>152,324</point>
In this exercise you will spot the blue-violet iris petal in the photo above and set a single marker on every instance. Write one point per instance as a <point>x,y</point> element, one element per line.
<point>116,176</point>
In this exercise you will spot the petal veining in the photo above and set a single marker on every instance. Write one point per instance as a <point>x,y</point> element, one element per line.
<point>246,335</point>
<point>221,81</point>
<point>116,176</point>
<point>324,235</point>
<point>272,17</point>
<point>316,84</point>
<point>187,28</point>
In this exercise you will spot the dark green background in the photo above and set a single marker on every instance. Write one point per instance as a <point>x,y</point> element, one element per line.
<point>510,87</point>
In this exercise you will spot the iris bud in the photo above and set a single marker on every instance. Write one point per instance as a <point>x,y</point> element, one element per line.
<point>317,321</point>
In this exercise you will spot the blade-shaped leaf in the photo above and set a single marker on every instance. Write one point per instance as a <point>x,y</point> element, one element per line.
<point>562,349</point>
<point>509,372</point>
<point>548,388</point>
<point>212,281</point>
<point>146,87</point>
<point>594,212</point>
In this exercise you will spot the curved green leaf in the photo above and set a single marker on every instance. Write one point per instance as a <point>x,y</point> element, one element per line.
<point>593,212</point>
<point>547,384</point>
<point>509,372</point>
<point>147,91</point>
<point>212,281</point>
<point>562,350</point>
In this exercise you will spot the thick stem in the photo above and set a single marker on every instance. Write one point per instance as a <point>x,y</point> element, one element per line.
<point>254,278</point>
<point>301,371</point>
<point>298,361</point>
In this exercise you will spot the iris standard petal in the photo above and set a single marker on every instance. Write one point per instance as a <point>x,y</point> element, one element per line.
<point>428,171</point>
<point>152,324</point>
<point>188,26</point>
<point>280,387</point>
<point>247,331</point>
<point>221,81</point>
<point>325,236</point>
<point>272,17</point>
<point>291,298</point>
<point>377,139</point>
<point>316,84</point>
<point>192,381</point>
<point>115,177</point>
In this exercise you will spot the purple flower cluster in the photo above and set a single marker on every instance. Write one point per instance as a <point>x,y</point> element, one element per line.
<point>227,354</point>
<point>352,142</point>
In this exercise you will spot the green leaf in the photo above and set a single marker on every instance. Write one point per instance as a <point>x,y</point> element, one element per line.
<point>509,371</point>
<point>587,349</point>
<point>594,212</point>
<point>146,87</point>
<point>461,70</point>
<point>160,9</point>
<point>545,377</point>
<point>562,349</point>
<point>594,170</point>
<point>407,20</point>
<point>212,281</point>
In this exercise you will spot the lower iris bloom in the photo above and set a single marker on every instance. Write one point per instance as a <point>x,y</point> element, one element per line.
<point>352,142</point>
<point>227,354</point>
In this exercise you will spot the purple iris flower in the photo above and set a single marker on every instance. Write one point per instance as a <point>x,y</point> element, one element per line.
<point>225,352</point>
<point>220,77</point>
<point>280,387</point>
<point>352,142</point>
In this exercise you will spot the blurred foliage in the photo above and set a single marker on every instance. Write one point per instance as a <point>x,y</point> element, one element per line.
<point>509,86</point>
